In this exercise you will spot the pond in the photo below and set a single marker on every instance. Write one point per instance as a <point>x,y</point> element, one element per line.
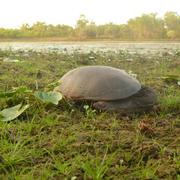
<point>105,46</point>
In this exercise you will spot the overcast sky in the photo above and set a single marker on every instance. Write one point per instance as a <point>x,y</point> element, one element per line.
<point>13,13</point>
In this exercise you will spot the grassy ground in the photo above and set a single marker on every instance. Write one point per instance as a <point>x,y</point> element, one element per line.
<point>64,142</point>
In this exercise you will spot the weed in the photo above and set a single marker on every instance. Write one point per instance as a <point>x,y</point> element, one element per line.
<point>90,113</point>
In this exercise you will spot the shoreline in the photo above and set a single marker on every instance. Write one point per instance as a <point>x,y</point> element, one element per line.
<point>85,40</point>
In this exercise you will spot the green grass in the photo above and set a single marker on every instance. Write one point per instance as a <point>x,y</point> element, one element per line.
<point>66,141</point>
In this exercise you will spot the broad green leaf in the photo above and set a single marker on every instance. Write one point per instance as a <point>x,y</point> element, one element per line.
<point>49,97</point>
<point>11,113</point>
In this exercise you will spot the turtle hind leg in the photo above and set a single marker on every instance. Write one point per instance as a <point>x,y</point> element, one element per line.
<point>146,97</point>
<point>142,101</point>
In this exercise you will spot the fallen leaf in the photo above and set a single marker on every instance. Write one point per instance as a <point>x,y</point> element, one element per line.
<point>49,97</point>
<point>12,113</point>
<point>146,128</point>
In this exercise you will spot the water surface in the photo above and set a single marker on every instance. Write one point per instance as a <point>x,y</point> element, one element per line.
<point>149,47</point>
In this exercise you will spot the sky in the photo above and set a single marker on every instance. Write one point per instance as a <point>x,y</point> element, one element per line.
<point>13,13</point>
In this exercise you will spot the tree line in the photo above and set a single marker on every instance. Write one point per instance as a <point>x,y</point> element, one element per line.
<point>144,27</point>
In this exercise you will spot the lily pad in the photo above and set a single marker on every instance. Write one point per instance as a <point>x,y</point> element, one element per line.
<point>12,113</point>
<point>49,97</point>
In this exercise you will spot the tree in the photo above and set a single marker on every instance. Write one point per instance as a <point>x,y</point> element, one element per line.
<point>90,30</point>
<point>172,22</point>
<point>39,29</point>
<point>171,34</point>
<point>111,30</point>
<point>82,22</point>
<point>81,25</point>
<point>148,26</point>
<point>25,30</point>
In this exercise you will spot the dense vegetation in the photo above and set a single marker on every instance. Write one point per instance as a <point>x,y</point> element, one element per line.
<point>145,27</point>
<point>66,141</point>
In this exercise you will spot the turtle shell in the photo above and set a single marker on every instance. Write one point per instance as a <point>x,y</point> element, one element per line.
<point>98,83</point>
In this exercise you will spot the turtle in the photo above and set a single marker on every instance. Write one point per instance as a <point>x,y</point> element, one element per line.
<point>107,88</point>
